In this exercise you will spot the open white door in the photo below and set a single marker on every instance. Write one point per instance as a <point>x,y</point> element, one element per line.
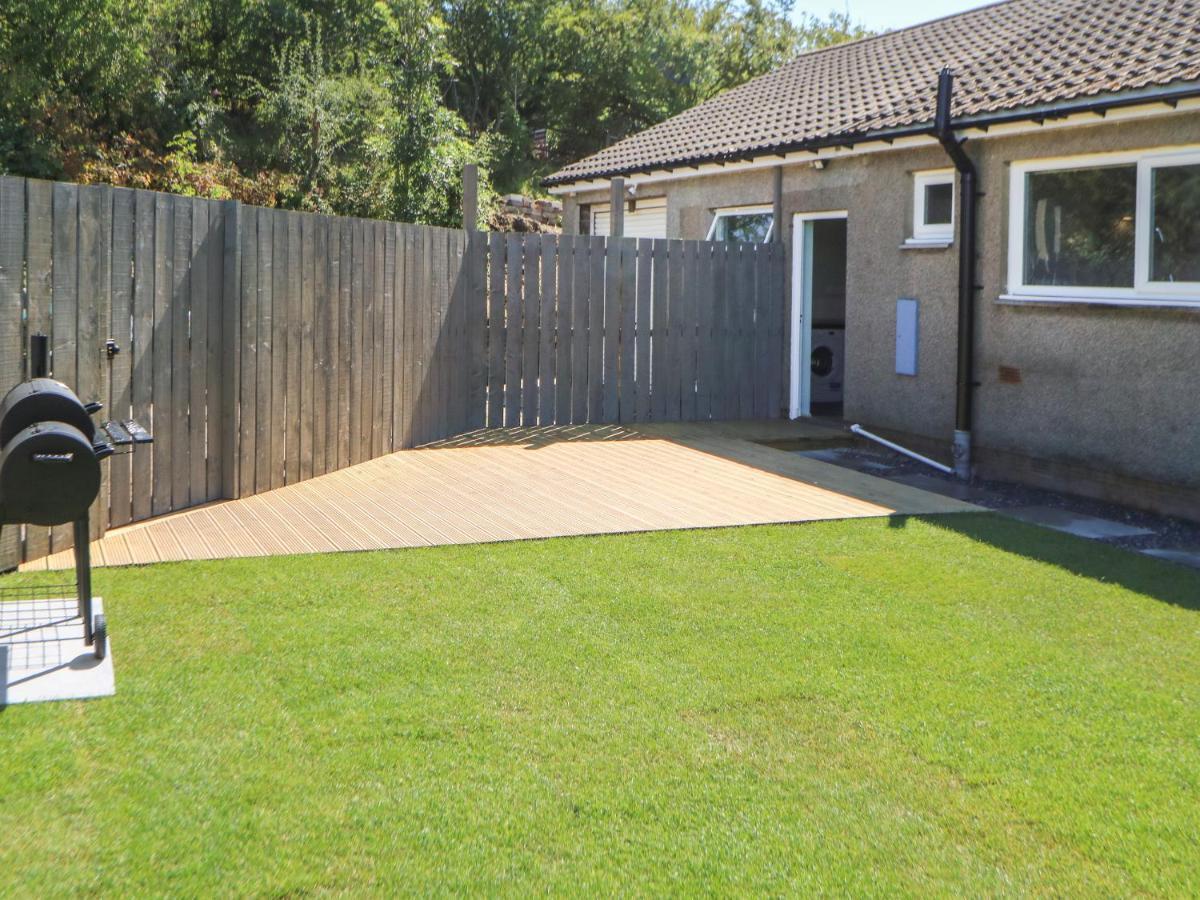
<point>800,401</point>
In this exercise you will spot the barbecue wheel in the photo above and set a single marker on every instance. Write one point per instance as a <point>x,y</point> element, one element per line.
<point>99,636</point>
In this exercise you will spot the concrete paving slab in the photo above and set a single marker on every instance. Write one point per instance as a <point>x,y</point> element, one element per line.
<point>838,456</point>
<point>1182,557</point>
<point>43,656</point>
<point>1078,524</point>
<point>959,490</point>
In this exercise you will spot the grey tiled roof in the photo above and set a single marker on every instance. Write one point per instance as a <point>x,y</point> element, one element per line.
<point>1007,57</point>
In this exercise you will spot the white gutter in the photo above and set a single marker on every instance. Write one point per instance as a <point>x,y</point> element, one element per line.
<point>1159,108</point>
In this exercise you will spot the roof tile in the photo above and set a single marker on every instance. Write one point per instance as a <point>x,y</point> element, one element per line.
<point>1006,56</point>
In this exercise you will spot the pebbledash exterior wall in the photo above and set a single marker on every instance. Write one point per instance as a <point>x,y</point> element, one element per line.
<point>1102,400</point>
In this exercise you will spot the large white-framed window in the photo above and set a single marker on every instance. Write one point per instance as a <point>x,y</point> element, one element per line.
<point>933,207</point>
<point>1121,228</point>
<point>749,224</point>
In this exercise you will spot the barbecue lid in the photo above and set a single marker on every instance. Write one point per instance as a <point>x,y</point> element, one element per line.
<point>42,400</point>
<point>49,475</point>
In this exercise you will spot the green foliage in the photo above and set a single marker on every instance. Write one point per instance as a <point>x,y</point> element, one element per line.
<point>364,107</point>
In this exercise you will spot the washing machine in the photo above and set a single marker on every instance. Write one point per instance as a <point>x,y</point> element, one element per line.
<point>828,364</point>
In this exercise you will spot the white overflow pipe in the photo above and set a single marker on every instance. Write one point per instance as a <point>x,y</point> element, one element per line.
<point>862,432</point>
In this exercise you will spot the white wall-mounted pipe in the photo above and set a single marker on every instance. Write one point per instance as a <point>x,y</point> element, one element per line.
<point>862,432</point>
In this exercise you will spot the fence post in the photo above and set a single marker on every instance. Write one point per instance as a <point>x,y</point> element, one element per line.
<point>777,203</point>
<point>12,261</point>
<point>470,197</point>
<point>231,349</point>
<point>616,208</point>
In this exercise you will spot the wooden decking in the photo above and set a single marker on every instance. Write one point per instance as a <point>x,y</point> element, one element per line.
<point>527,483</point>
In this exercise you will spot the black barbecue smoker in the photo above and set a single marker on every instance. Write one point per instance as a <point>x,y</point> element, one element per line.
<point>50,455</point>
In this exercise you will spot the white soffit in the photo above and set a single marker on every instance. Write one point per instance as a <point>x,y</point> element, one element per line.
<point>801,157</point>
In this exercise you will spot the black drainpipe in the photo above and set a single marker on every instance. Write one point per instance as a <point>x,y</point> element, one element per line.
<point>964,396</point>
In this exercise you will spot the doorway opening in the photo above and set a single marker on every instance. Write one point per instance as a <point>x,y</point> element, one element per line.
<point>818,368</point>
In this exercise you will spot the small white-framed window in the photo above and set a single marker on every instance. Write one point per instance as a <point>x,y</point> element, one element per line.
<point>748,224</point>
<point>933,207</point>
<point>1117,227</point>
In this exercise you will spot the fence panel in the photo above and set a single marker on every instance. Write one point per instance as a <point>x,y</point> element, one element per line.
<point>263,347</point>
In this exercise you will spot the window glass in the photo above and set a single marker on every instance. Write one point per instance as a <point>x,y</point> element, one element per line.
<point>1175,224</point>
<point>939,203</point>
<point>750,228</point>
<point>1079,227</point>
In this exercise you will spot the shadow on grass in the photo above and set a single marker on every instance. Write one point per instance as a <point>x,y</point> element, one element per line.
<point>1160,580</point>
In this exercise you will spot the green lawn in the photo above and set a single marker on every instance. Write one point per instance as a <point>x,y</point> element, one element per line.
<point>957,705</point>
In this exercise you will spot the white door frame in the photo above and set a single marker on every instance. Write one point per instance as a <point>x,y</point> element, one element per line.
<point>800,398</point>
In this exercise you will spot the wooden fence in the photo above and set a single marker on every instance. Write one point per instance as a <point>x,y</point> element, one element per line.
<point>585,329</point>
<point>263,347</point>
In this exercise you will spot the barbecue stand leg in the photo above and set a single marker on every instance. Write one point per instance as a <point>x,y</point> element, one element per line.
<point>83,576</point>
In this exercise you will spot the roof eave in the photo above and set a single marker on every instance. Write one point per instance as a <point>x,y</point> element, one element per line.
<point>1169,94</point>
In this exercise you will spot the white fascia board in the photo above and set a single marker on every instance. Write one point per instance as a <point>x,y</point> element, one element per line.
<point>1154,109</point>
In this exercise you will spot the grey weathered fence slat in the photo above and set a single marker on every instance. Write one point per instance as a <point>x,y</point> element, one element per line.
<point>230,349</point>
<point>642,326</point>
<point>251,308</point>
<point>345,255</point>
<point>580,305</point>
<point>597,250</point>
<point>324,309</point>
<point>658,350</point>
<point>610,396</point>
<point>531,310</point>
<point>549,330</point>
<point>179,365</point>
<point>477,313</point>
<point>705,361</point>
<point>214,259</point>
<point>512,331</point>
<point>758,337</point>
<point>63,324</point>
<point>687,364</point>
<point>716,331</point>
<point>355,360</point>
<point>264,424</point>
<point>396,374</point>
<point>495,332</point>
<point>776,317</point>
<point>564,339</point>
<point>451,405</point>
<point>387,369</point>
<point>307,343</point>
<point>12,252</point>
<point>280,309</point>
<point>675,328</point>
<point>292,410</point>
<point>441,398</point>
<point>198,401</point>
<point>39,293</point>
<point>215,364</point>
<point>379,268</point>
<point>627,354</point>
<point>264,347</point>
<point>746,319</point>
<point>426,278</point>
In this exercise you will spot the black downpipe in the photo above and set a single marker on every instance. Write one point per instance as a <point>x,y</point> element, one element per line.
<point>964,395</point>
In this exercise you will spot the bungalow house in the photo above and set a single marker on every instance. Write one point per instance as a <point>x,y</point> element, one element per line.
<point>1006,261</point>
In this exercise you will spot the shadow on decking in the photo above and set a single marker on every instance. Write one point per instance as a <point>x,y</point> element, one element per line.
<point>780,434</point>
<point>535,437</point>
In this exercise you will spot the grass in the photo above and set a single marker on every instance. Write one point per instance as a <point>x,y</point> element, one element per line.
<point>949,705</point>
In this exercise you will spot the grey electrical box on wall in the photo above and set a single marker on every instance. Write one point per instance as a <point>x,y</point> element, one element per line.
<point>906,336</point>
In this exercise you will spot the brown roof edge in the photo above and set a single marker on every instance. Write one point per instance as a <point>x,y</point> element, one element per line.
<point>1169,94</point>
